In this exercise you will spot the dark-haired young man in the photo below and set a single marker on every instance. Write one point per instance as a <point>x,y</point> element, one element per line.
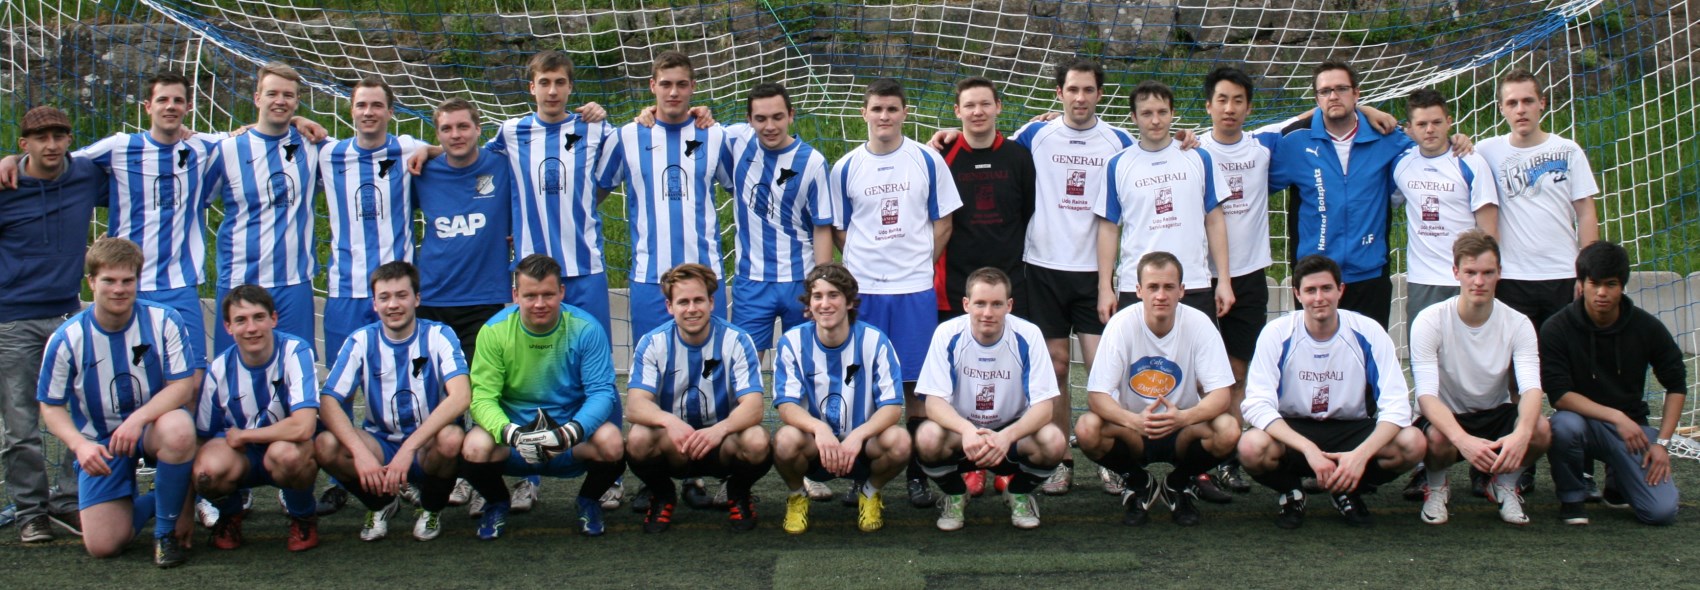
<point>1444,194</point>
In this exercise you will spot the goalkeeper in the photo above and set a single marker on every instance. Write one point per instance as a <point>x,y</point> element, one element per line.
<point>543,399</point>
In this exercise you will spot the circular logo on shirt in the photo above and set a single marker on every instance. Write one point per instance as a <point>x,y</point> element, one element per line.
<point>1153,377</point>
<point>551,175</point>
<point>676,179</point>
<point>282,187</point>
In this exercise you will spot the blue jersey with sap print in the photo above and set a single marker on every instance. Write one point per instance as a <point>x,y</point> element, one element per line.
<point>555,168</point>
<point>669,172</point>
<point>104,376</point>
<point>265,184</point>
<point>235,395</point>
<point>699,384</point>
<point>157,202</point>
<point>468,218</point>
<point>403,381</point>
<point>840,386</point>
<point>780,196</point>
<point>369,199</point>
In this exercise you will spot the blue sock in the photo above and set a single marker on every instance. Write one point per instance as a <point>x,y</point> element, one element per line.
<point>171,487</point>
<point>300,503</point>
<point>141,513</point>
<point>536,481</point>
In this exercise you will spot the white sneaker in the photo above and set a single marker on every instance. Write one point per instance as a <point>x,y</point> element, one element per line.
<point>378,523</point>
<point>461,494</point>
<point>1434,504</point>
<point>1510,504</point>
<point>616,493</point>
<point>206,513</point>
<point>409,494</point>
<point>817,491</point>
<point>475,505</point>
<point>524,496</point>
<point>1023,510</point>
<point>951,509</point>
<point>1059,482</point>
<point>428,526</point>
<point>1113,484</point>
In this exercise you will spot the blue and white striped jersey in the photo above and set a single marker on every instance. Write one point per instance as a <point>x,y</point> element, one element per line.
<point>555,170</point>
<point>699,384</point>
<point>156,201</point>
<point>669,171</point>
<point>235,395</point>
<point>104,376</point>
<point>369,198</point>
<point>840,386</point>
<point>781,196</point>
<point>266,185</point>
<point>403,381</point>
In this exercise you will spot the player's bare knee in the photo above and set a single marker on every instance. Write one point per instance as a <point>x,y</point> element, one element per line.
<point>174,436</point>
<point>326,448</point>
<point>477,447</point>
<point>1256,450</point>
<point>609,446</point>
<point>100,548</point>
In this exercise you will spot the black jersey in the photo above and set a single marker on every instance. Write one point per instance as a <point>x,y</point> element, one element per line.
<point>990,229</point>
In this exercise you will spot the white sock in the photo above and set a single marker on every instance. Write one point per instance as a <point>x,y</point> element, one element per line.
<point>868,489</point>
<point>798,492</point>
<point>1436,478</point>
<point>1507,481</point>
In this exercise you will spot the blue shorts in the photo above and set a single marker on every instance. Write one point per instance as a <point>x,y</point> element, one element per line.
<point>295,315</point>
<point>755,304</point>
<point>562,466</point>
<point>95,490</point>
<point>416,472</point>
<point>908,321</point>
<point>589,293</point>
<point>257,474</point>
<point>648,308</point>
<point>187,302</point>
<point>343,316</point>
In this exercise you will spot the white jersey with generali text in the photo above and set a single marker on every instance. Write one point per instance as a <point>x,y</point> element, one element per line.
<point>1467,367</point>
<point>1441,197</point>
<point>555,169</point>
<point>1068,164</point>
<point>105,376</point>
<point>235,395</point>
<point>1136,367</point>
<point>157,201</point>
<point>781,196</point>
<point>369,198</point>
<point>403,381</point>
<point>1159,200</point>
<point>669,171</point>
<point>887,205</point>
<point>1353,375</point>
<point>265,183</point>
<point>1242,191</point>
<point>1538,188</point>
<point>991,386</point>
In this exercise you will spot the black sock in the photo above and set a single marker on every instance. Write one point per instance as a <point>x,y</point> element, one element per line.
<point>373,502</point>
<point>486,478</point>
<point>434,492</point>
<point>1195,461</point>
<point>1286,474</point>
<point>1119,459</point>
<point>744,476</point>
<point>655,477</point>
<point>915,470</point>
<point>951,483</point>
<point>599,476</point>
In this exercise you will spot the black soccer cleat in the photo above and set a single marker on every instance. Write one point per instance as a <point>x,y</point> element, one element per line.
<point>741,517</point>
<point>1137,503</point>
<point>921,495</point>
<point>659,517</point>
<point>167,553</point>
<point>1292,514</point>
<point>1183,510</point>
<point>1204,487</point>
<point>1351,506</point>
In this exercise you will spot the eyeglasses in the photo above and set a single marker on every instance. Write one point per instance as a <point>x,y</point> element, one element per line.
<point>1328,92</point>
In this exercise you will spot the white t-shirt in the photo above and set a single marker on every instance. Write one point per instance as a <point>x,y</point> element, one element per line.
<point>1068,166</point>
<point>1241,173</point>
<point>1135,366</point>
<point>889,203</point>
<point>1159,199</point>
<point>1537,216</point>
<point>1441,197</point>
<point>1295,376</point>
<point>991,386</point>
<point>1466,366</point>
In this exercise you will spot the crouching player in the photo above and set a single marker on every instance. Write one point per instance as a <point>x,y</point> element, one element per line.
<point>114,380</point>
<point>1159,393</point>
<point>542,359</point>
<point>695,402</point>
<point>836,383</point>
<point>987,382</point>
<point>259,406</point>
<point>415,382</point>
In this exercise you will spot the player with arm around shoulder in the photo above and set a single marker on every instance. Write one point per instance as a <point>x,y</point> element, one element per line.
<point>987,383</point>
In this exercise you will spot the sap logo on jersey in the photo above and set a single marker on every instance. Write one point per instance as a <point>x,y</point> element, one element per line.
<point>1153,377</point>
<point>459,225</point>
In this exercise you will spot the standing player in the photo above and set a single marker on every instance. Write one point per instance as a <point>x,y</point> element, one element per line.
<point>1595,354</point>
<point>695,402</point>
<point>542,359</point>
<point>1299,427</point>
<point>987,389</point>
<point>414,380</point>
<point>669,171</point>
<point>41,246</point>
<point>1159,393</point>
<point>1546,202</point>
<point>995,178</point>
<point>1166,198</point>
<point>893,220</point>
<point>113,384</point>
<point>257,411</point>
<point>1463,352</point>
<point>1444,194</point>
<point>835,384</point>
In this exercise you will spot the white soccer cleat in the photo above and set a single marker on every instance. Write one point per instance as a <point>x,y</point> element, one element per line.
<point>1510,504</point>
<point>428,526</point>
<point>616,493</point>
<point>951,512</point>
<point>475,505</point>
<point>206,513</point>
<point>524,496</point>
<point>817,491</point>
<point>1023,510</point>
<point>461,494</point>
<point>377,524</point>
<point>1059,482</point>
<point>1434,504</point>
<point>1112,481</point>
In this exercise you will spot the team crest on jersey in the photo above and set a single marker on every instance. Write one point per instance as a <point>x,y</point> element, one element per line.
<point>674,182</point>
<point>1319,400</point>
<point>888,211</point>
<point>832,412</point>
<point>1236,187</point>
<point>183,158</point>
<point>1431,208</point>
<point>384,168</point>
<point>123,393</point>
<point>691,146</point>
<point>419,365</point>
<point>785,174</point>
<point>283,190</point>
<point>404,409</point>
<point>371,202</point>
<point>983,399</point>
<point>165,192</point>
<point>572,140</point>
<point>139,352</point>
<point>484,185</point>
<point>1165,200</point>
<point>551,175</point>
<point>289,151</point>
<point>1153,377</point>
<point>985,197</point>
<point>1076,184</point>
<point>761,201</point>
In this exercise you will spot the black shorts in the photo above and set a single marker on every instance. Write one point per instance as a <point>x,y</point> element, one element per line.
<point>1333,436</point>
<point>860,469</point>
<point>1200,299</point>
<point>709,466</point>
<point>1011,464</point>
<point>1536,299</point>
<point>1063,301</point>
<point>1489,424</point>
<point>1370,297</point>
<point>465,320</point>
<point>1246,318</point>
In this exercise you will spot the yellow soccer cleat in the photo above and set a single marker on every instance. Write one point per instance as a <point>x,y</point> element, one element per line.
<point>796,514</point>
<point>870,512</point>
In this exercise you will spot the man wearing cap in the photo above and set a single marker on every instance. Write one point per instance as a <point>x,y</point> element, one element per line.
<point>44,226</point>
